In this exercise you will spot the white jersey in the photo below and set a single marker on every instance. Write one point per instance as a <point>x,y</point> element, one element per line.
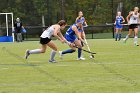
<point>134,19</point>
<point>48,32</point>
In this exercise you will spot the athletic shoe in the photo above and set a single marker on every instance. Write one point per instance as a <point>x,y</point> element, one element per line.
<point>136,44</point>
<point>52,61</point>
<point>119,39</point>
<point>60,54</point>
<point>81,58</point>
<point>27,54</point>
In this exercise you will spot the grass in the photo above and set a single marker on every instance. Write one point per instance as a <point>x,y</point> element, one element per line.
<point>115,69</point>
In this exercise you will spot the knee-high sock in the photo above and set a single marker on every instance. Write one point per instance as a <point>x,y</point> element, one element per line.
<point>79,52</point>
<point>126,37</point>
<point>120,36</point>
<point>116,36</point>
<point>52,55</point>
<point>68,51</point>
<point>136,39</point>
<point>35,51</point>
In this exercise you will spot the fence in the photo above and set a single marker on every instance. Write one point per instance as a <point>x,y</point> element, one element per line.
<point>92,32</point>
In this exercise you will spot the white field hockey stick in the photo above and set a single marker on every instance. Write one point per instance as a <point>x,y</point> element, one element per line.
<point>92,56</point>
<point>109,24</point>
<point>85,26</point>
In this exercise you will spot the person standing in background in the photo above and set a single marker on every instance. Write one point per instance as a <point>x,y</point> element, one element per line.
<point>118,22</point>
<point>81,31</point>
<point>18,30</point>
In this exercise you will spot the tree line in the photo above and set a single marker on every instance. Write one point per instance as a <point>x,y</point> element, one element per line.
<point>95,11</point>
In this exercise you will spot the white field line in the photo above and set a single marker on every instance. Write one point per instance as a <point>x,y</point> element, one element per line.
<point>4,68</point>
<point>105,63</point>
<point>23,84</point>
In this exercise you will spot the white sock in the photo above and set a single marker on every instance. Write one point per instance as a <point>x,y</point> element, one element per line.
<point>136,39</point>
<point>52,54</point>
<point>36,51</point>
<point>126,37</point>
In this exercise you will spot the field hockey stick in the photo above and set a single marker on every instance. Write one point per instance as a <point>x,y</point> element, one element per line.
<point>112,24</point>
<point>109,24</point>
<point>86,50</point>
<point>85,26</point>
<point>92,56</point>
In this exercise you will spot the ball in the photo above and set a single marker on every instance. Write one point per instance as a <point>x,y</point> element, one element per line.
<point>91,57</point>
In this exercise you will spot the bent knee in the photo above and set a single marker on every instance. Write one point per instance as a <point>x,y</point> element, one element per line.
<point>80,46</point>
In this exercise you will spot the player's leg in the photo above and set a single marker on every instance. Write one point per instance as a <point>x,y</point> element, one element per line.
<point>136,37</point>
<point>53,52</point>
<point>73,49</point>
<point>127,36</point>
<point>36,51</point>
<point>79,49</point>
<point>116,35</point>
<point>20,36</point>
<point>70,39</point>
<point>43,42</point>
<point>78,44</point>
<point>120,34</point>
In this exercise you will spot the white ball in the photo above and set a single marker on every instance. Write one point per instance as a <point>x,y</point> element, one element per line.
<point>91,57</point>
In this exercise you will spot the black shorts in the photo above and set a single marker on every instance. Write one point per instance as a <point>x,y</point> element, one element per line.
<point>133,26</point>
<point>44,41</point>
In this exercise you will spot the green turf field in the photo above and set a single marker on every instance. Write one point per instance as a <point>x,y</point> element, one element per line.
<point>115,69</point>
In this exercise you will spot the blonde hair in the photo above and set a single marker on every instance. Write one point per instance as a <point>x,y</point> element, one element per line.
<point>136,8</point>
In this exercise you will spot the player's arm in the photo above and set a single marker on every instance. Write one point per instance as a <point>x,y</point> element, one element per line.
<point>22,25</point>
<point>62,37</point>
<point>128,17</point>
<point>56,31</point>
<point>139,20</point>
<point>85,22</point>
<point>77,33</point>
<point>123,19</point>
<point>77,18</point>
<point>115,21</point>
<point>83,34</point>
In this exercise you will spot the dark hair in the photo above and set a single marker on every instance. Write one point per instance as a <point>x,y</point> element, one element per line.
<point>62,22</point>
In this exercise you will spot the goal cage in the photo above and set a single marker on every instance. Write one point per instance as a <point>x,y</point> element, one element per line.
<point>6,27</point>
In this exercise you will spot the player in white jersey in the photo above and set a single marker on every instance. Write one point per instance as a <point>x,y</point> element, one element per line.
<point>133,21</point>
<point>45,40</point>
